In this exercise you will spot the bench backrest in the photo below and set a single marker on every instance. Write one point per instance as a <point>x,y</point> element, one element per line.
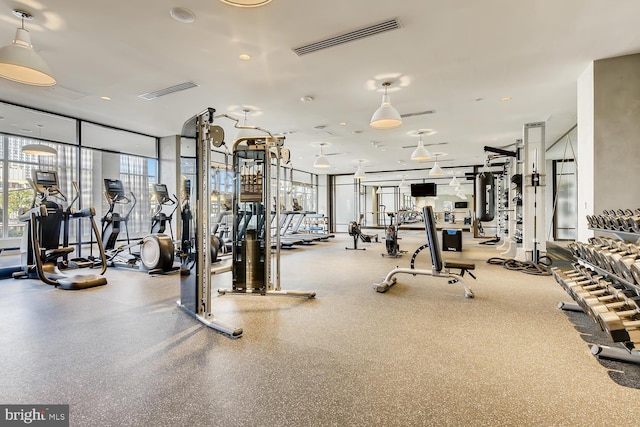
<point>432,238</point>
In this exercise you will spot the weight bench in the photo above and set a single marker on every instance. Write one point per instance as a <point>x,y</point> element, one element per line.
<point>439,268</point>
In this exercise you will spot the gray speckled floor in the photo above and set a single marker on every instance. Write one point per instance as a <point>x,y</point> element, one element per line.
<point>421,354</point>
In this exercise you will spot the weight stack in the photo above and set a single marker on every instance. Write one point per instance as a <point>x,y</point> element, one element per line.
<point>452,240</point>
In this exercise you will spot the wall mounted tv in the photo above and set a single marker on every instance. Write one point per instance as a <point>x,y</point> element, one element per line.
<point>461,205</point>
<point>427,189</point>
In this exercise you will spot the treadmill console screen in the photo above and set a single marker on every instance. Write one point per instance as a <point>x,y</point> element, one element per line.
<point>46,179</point>
<point>114,188</point>
<point>161,191</point>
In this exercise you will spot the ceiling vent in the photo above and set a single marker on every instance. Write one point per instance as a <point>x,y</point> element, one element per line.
<point>166,91</point>
<point>371,30</point>
<point>419,113</point>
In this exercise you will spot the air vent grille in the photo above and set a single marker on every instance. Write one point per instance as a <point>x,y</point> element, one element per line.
<point>166,91</point>
<point>371,30</point>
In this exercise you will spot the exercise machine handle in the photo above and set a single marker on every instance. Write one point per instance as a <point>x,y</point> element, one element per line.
<point>37,211</point>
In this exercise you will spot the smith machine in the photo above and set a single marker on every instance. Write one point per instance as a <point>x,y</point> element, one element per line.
<point>255,261</point>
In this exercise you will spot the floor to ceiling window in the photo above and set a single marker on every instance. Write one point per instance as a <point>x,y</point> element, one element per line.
<point>86,154</point>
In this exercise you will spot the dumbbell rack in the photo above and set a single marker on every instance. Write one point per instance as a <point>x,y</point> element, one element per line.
<point>605,284</point>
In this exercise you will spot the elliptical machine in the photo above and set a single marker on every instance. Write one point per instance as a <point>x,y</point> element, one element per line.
<point>160,219</point>
<point>391,236</point>
<point>156,251</point>
<point>40,248</point>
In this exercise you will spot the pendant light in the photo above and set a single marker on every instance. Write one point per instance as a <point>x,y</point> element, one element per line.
<point>247,131</point>
<point>420,153</point>
<point>321,161</point>
<point>403,184</point>
<point>246,3</point>
<point>20,63</point>
<point>454,181</point>
<point>359,172</point>
<point>385,117</point>
<point>436,170</point>
<point>39,149</point>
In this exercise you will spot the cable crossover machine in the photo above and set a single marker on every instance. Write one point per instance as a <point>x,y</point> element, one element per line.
<point>255,261</point>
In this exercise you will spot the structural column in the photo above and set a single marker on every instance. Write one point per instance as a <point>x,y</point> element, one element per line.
<point>608,138</point>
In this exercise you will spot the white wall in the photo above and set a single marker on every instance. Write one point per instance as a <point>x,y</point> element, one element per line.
<point>585,152</point>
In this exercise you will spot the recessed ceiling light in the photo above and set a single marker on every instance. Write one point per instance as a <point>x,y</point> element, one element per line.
<point>246,3</point>
<point>105,98</point>
<point>356,132</point>
<point>343,123</point>
<point>505,99</point>
<point>306,98</point>
<point>183,15</point>
<point>245,57</point>
<point>479,99</point>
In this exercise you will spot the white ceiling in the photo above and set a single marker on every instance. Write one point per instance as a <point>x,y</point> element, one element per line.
<point>458,57</point>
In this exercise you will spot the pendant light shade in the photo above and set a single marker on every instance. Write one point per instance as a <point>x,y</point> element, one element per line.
<point>20,63</point>
<point>386,117</point>
<point>436,170</point>
<point>420,153</point>
<point>39,150</point>
<point>454,182</point>
<point>321,161</point>
<point>403,185</point>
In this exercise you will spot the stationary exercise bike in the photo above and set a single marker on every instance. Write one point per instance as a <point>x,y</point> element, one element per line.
<point>156,251</point>
<point>40,250</point>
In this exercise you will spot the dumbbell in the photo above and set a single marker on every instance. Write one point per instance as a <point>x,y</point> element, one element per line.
<point>601,288</point>
<point>635,271</point>
<point>567,282</point>
<point>555,271</point>
<point>623,267</point>
<point>621,326</point>
<point>617,300</point>
<point>580,288</point>
<point>635,221</point>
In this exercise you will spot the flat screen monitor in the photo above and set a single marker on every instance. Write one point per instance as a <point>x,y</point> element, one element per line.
<point>427,189</point>
<point>114,188</point>
<point>461,205</point>
<point>161,191</point>
<point>46,178</point>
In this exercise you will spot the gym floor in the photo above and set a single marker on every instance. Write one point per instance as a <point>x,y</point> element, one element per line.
<point>421,354</point>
